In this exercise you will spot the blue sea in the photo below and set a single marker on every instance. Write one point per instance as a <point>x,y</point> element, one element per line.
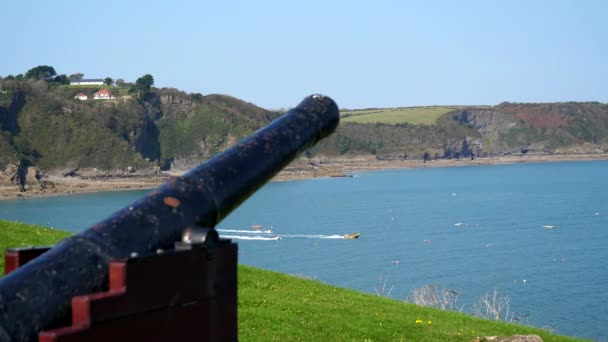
<point>537,233</point>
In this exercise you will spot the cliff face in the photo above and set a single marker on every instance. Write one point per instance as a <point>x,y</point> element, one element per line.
<point>542,128</point>
<point>479,132</point>
<point>45,126</point>
<point>11,105</point>
<point>491,124</point>
<point>487,121</point>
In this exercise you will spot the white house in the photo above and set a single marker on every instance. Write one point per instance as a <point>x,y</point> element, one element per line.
<point>87,81</point>
<point>103,94</point>
<point>81,96</point>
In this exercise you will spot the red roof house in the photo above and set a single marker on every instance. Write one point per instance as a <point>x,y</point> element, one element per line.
<point>103,94</point>
<point>81,96</point>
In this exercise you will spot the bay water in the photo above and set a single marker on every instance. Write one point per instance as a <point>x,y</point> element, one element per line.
<point>537,233</point>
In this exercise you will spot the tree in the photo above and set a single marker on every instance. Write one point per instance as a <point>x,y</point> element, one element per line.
<point>76,77</point>
<point>198,97</point>
<point>41,72</point>
<point>426,157</point>
<point>108,81</point>
<point>61,79</point>
<point>435,296</point>
<point>494,307</point>
<point>120,82</point>
<point>142,86</point>
<point>145,82</point>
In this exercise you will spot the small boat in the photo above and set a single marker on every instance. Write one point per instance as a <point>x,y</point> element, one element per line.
<point>256,227</point>
<point>352,236</point>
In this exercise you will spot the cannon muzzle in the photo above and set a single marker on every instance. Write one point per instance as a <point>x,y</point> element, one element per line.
<point>37,296</point>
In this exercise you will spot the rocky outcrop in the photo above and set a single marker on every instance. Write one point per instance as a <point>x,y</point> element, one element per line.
<point>9,113</point>
<point>6,175</point>
<point>95,173</point>
<point>22,174</point>
<point>537,128</point>
<point>488,122</point>
<point>32,176</point>
<point>174,101</point>
<point>146,139</point>
<point>491,124</point>
<point>10,174</point>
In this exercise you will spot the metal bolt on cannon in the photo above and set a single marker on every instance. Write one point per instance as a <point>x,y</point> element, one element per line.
<point>37,296</point>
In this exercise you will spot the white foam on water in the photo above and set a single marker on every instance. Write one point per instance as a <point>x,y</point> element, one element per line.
<point>266,231</point>
<point>312,236</point>
<point>250,237</point>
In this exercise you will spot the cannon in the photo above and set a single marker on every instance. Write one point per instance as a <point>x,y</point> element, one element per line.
<point>37,296</point>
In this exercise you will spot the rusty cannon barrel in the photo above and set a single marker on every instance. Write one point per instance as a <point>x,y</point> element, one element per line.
<point>37,296</point>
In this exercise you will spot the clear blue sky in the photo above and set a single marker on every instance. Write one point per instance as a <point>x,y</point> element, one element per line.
<point>361,53</point>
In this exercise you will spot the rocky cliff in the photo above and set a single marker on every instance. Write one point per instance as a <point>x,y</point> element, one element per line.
<point>43,126</point>
<point>505,129</point>
<point>539,128</point>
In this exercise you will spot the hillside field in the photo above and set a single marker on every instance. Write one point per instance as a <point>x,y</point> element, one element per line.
<point>394,116</point>
<point>18,235</point>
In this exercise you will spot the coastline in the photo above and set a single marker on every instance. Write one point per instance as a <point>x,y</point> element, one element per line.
<point>337,167</point>
<point>72,186</point>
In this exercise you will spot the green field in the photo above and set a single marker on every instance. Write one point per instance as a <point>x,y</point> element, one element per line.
<point>14,234</point>
<point>394,116</point>
<point>115,90</point>
<point>279,307</point>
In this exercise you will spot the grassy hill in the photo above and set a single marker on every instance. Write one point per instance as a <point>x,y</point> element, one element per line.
<point>472,131</point>
<point>42,125</point>
<point>394,116</point>
<point>279,307</point>
<point>90,89</point>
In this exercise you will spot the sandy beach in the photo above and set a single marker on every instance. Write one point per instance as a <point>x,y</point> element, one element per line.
<point>335,167</point>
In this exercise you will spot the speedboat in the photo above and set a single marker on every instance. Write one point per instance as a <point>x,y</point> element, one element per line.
<point>352,236</point>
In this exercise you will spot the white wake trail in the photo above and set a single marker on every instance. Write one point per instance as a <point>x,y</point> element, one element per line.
<point>249,237</point>
<point>266,231</point>
<point>312,236</point>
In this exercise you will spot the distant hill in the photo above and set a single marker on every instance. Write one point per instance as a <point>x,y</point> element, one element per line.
<point>403,115</point>
<point>475,131</point>
<point>43,125</point>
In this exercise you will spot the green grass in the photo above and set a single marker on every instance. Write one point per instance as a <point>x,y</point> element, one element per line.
<point>393,116</point>
<point>278,307</point>
<point>14,234</point>
<point>94,86</point>
<point>115,90</point>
